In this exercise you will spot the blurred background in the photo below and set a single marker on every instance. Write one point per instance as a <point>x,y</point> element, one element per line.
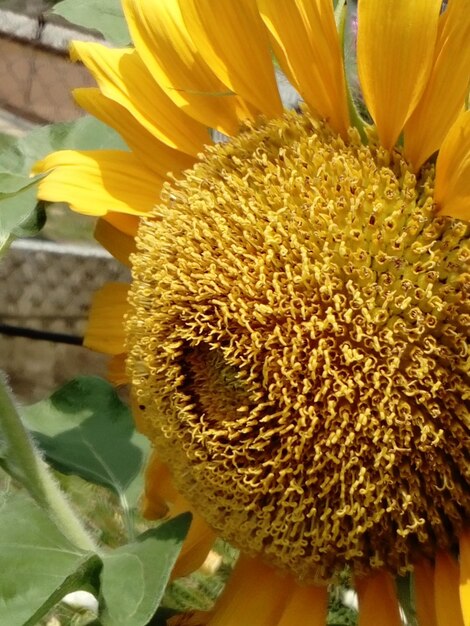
<point>46,283</point>
<point>35,74</point>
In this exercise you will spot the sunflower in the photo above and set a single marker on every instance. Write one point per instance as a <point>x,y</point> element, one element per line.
<point>296,330</point>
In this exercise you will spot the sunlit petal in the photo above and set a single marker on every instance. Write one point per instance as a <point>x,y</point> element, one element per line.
<point>99,181</point>
<point>156,155</point>
<point>121,74</point>
<point>166,47</point>
<point>232,39</point>
<point>447,88</point>
<point>395,45</point>
<point>306,43</point>
<point>452,187</point>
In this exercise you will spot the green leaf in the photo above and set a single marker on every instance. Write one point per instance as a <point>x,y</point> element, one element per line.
<point>33,223</point>
<point>38,564</point>
<point>105,16</point>
<point>86,430</point>
<point>12,183</point>
<point>17,155</point>
<point>19,213</point>
<point>134,576</point>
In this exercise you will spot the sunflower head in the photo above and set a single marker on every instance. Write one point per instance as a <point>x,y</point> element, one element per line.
<point>298,346</point>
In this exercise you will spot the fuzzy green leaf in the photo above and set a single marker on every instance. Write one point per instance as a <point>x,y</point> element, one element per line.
<point>105,16</point>
<point>17,155</point>
<point>134,576</point>
<point>19,211</point>
<point>38,564</point>
<point>86,430</point>
<point>20,216</point>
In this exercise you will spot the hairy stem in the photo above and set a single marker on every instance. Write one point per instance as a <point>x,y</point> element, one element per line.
<point>22,460</point>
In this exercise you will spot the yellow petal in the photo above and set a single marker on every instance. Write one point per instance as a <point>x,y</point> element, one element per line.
<point>161,497</point>
<point>156,155</point>
<point>446,585</point>
<point>193,618</point>
<point>117,370</point>
<point>197,543</point>
<point>255,595</point>
<point>232,39</point>
<point>166,47</point>
<point>445,93</point>
<point>119,244</point>
<point>105,329</point>
<point>452,185</point>
<point>138,413</point>
<point>123,77</point>
<point>377,601</point>
<point>395,45</point>
<point>127,224</point>
<point>465,576</point>
<point>305,40</point>
<point>424,594</point>
<point>159,488</point>
<point>306,605</point>
<point>98,181</point>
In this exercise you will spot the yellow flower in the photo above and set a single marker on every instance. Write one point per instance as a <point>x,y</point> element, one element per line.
<point>296,330</point>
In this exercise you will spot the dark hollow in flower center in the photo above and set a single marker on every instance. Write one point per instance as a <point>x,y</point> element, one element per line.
<point>299,338</point>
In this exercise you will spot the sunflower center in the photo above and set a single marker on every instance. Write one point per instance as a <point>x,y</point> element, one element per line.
<point>298,346</point>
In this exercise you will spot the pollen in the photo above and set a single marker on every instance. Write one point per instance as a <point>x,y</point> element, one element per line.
<point>298,347</point>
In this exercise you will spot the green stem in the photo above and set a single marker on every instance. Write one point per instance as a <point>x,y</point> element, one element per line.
<point>20,458</point>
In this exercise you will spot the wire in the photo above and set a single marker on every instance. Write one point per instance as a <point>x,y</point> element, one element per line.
<point>41,335</point>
